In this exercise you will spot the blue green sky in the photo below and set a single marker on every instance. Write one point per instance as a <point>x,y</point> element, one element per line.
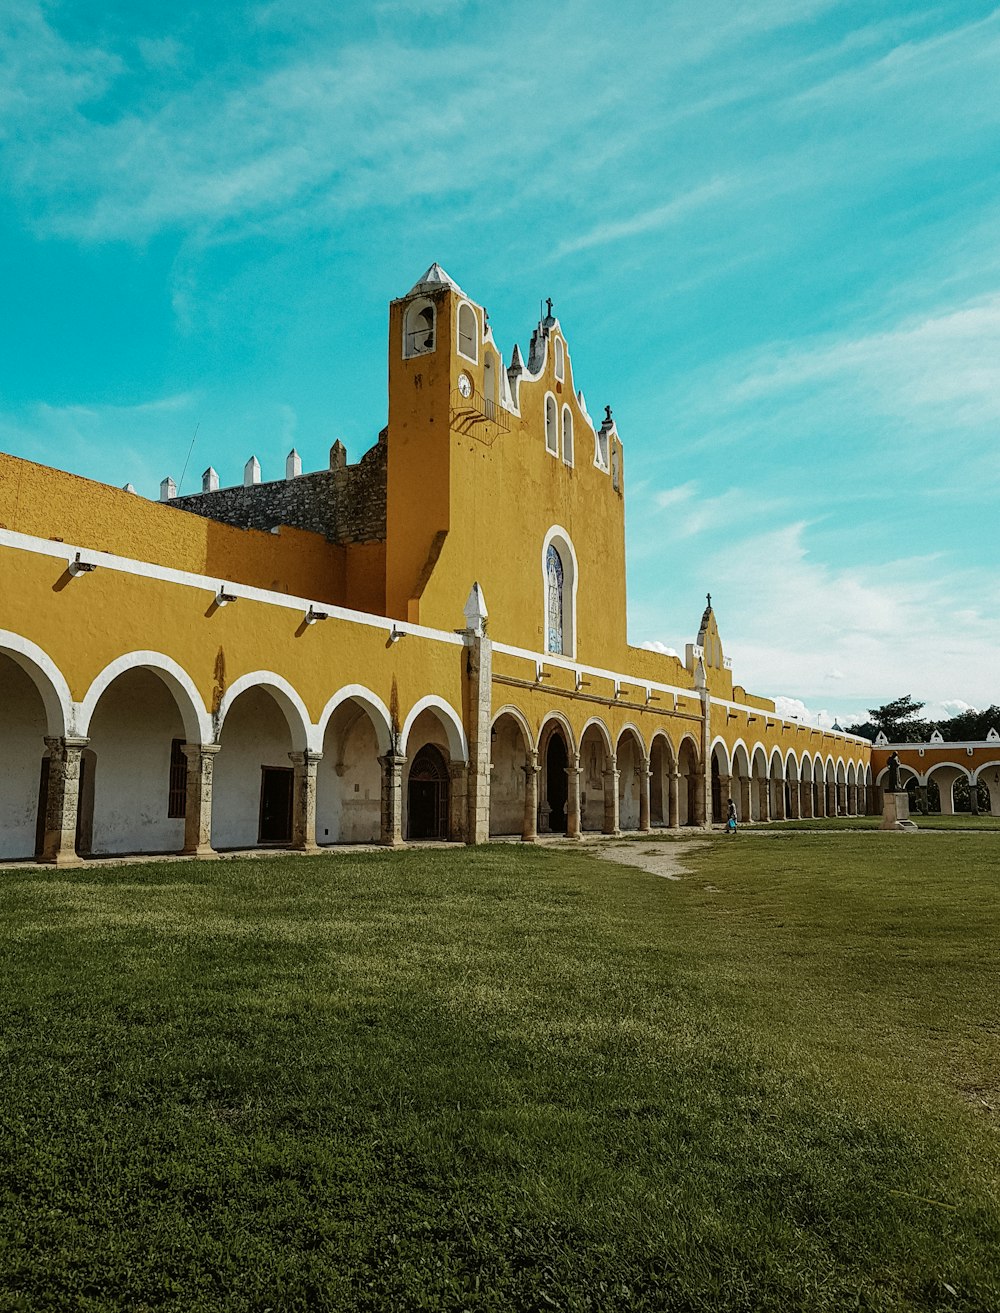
<point>770,231</point>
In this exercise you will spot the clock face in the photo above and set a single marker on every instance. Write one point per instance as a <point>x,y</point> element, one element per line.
<point>465,385</point>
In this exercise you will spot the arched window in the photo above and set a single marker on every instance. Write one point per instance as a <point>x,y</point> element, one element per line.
<point>551,425</point>
<point>567,435</point>
<point>468,335</point>
<point>554,600</point>
<point>418,329</point>
<point>616,469</point>
<point>560,353</point>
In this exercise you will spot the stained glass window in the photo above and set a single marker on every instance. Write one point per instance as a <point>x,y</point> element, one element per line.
<point>554,585</point>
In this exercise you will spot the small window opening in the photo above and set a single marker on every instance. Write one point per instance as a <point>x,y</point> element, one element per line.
<point>551,427</point>
<point>418,329</point>
<point>616,469</point>
<point>177,795</point>
<point>560,352</point>
<point>602,450</point>
<point>567,435</point>
<point>467,332</point>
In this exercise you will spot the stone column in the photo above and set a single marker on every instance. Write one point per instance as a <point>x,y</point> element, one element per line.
<point>529,829</point>
<point>725,784</point>
<point>831,798</point>
<point>778,811</point>
<point>764,798</point>
<point>478,660</point>
<point>699,808</point>
<point>573,825</point>
<point>645,775</point>
<point>304,800</point>
<point>198,804</point>
<point>842,799</point>
<point>974,798</point>
<point>458,819</point>
<point>922,798</point>
<point>794,800</point>
<point>59,848</point>
<point>674,794</point>
<point>805,799</point>
<point>392,799</point>
<point>611,797</point>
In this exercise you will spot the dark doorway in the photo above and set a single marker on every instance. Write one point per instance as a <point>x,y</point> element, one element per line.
<point>556,783</point>
<point>427,795</point>
<point>276,784</point>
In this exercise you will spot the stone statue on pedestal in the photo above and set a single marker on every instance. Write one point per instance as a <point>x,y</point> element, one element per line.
<point>892,778</point>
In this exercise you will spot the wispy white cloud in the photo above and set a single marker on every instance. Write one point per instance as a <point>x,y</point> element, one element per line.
<point>650,221</point>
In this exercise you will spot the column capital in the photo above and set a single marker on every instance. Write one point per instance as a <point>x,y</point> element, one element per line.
<point>307,758</point>
<point>392,760</point>
<point>194,751</point>
<point>65,743</point>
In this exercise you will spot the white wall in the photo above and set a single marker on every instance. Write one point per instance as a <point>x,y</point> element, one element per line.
<point>130,735</point>
<point>254,734</point>
<point>349,780</point>
<point>22,746</point>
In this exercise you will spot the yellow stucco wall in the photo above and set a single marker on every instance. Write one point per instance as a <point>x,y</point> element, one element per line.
<point>49,503</point>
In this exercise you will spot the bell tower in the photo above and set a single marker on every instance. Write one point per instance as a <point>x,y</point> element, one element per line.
<point>435,354</point>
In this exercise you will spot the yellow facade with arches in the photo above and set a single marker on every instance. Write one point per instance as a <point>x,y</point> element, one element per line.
<point>174,679</point>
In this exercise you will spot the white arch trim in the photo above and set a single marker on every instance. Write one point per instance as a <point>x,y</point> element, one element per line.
<point>302,730</point>
<point>521,719</point>
<point>662,734</point>
<point>458,744</point>
<point>986,765</point>
<point>775,756</point>
<point>720,742</point>
<point>557,718</point>
<point>630,728</point>
<point>197,721</point>
<point>595,722</point>
<point>378,713</point>
<point>52,689</point>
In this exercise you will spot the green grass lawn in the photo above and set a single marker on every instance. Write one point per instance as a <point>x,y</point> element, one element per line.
<point>933,821</point>
<point>506,1078</point>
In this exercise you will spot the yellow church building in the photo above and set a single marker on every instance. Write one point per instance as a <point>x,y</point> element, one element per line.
<point>428,644</point>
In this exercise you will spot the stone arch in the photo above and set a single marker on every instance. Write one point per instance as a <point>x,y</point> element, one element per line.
<point>556,753</point>
<point>354,730</point>
<point>987,775</point>
<point>793,804</point>
<point>451,723</point>
<point>739,783</point>
<point>434,807</point>
<point>760,785</point>
<point>721,767</point>
<point>35,704</point>
<point>630,756</point>
<point>47,678</point>
<point>261,723</point>
<point>292,707</point>
<point>511,750</point>
<point>663,803</point>
<point>690,783</point>
<point>596,758</point>
<point>197,722</point>
<point>372,703</point>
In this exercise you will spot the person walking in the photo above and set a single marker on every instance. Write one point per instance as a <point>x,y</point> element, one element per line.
<point>731,818</point>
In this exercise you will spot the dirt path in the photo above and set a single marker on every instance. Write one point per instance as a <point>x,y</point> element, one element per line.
<point>662,859</point>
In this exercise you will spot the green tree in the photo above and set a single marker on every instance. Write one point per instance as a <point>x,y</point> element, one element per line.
<point>970,725</point>
<point>899,721</point>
